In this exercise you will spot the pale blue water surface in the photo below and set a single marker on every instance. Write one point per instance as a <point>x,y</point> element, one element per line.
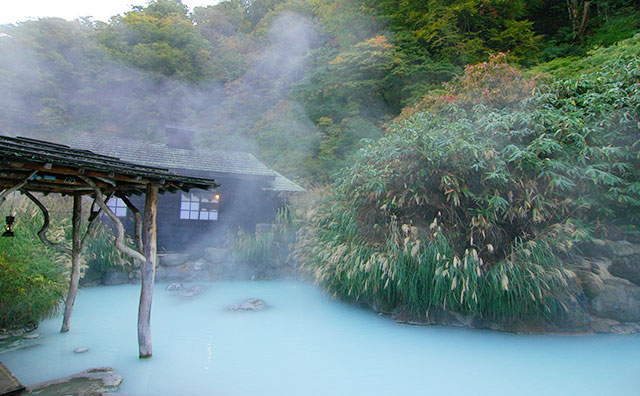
<point>307,344</point>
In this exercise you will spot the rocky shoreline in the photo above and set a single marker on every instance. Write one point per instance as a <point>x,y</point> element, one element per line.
<point>99,381</point>
<point>604,297</point>
<point>604,287</point>
<point>208,264</point>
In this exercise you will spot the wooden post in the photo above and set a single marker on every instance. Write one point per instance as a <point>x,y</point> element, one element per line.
<point>148,270</point>
<point>76,248</point>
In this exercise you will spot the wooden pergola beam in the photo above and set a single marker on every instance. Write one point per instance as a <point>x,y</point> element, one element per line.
<point>68,171</point>
<point>9,189</point>
<point>78,172</point>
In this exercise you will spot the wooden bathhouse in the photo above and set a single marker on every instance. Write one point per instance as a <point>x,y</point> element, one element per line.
<point>250,193</point>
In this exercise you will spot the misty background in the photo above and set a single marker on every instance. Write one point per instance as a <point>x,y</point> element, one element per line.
<point>297,83</point>
<point>500,133</point>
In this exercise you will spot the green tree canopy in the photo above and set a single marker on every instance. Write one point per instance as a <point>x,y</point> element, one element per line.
<point>160,39</point>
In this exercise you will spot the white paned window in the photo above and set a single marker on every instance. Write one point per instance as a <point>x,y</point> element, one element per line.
<point>198,206</point>
<point>118,207</point>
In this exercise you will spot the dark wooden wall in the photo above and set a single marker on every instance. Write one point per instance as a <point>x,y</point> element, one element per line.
<point>243,204</point>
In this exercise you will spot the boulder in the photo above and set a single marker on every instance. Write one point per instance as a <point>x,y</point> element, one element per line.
<point>627,268</point>
<point>617,299</point>
<point>115,277</point>
<point>606,326</point>
<point>200,265</point>
<point>576,317</point>
<point>172,259</point>
<point>251,304</point>
<point>623,248</point>
<point>216,255</point>
<point>597,248</point>
<point>181,273</point>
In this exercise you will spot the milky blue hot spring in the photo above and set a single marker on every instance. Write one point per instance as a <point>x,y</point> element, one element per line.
<point>307,344</point>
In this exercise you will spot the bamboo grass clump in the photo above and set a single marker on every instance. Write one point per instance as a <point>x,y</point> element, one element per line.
<point>473,209</point>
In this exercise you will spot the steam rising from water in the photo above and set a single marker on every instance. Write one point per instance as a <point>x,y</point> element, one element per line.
<point>306,344</point>
<point>71,85</point>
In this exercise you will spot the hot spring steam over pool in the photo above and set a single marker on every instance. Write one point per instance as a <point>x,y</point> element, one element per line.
<point>307,344</point>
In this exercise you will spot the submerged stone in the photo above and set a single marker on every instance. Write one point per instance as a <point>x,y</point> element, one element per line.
<point>192,291</point>
<point>178,289</point>
<point>251,304</point>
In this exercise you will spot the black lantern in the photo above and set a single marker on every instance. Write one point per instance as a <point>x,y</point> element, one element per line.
<point>8,228</point>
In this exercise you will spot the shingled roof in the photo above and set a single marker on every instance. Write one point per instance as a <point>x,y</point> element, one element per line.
<point>52,167</point>
<point>159,154</point>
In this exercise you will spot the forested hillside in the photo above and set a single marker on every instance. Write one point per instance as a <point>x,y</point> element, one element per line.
<point>300,83</point>
<point>469,162</point>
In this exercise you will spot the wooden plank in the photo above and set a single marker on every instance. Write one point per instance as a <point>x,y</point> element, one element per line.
<point>75,172</point>
<point>9,385</point>
<point>148,270</point>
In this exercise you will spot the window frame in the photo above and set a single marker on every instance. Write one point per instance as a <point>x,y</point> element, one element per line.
<point>117,206</point>
<point>199,205</point>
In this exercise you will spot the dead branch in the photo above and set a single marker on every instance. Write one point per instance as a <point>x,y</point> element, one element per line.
<point>42,234</point>
<point>99,199</point>
<point>138,220</point>
<point>91,223</point>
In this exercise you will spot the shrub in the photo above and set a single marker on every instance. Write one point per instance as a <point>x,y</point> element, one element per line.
<point>495,84</point>
<point>472,207</point>
<point>33,278</point>
<point>597,59</point>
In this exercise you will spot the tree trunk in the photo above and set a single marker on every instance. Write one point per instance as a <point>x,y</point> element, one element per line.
<point>75,262</point>
<point>148,270</point>
<point>579,15</point>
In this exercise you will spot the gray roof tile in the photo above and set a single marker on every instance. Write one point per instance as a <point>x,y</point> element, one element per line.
<point>159,155</point>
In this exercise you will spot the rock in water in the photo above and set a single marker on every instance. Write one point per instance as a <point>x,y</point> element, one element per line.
<point>172,259</point>
<point>251,304</point>
<point>98,381</point>
<point>174,287</point>
<point>192,291</point>
<point>81,350</point>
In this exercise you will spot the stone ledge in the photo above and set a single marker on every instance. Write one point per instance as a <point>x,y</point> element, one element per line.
<point>98,381</point>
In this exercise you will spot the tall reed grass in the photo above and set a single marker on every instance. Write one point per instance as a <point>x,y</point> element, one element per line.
<point>266,248</point>
<point>422,271</point>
